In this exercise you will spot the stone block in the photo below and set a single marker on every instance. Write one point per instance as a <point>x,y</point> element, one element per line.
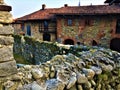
<point>6,40</point>
<point>5,17</point>
<point>6,53</point>
<point>6,30</point>
<point>8,68</point>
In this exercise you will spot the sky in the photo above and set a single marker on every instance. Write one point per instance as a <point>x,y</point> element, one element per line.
<point>24,7</point>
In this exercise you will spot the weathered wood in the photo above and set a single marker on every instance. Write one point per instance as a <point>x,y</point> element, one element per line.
<point>5,8</point>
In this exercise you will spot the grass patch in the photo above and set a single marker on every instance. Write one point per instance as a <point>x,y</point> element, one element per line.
<point>20,59</point>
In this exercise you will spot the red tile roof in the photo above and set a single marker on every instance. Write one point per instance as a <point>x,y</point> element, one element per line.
<point>109,1</point>
<point>72,10</point>
<point>40,14</point>
<point>87,10</point>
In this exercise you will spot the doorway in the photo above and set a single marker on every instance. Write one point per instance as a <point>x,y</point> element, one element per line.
<point>94,43</point>
<point>115,44</point>
<point>46,37</point>
<point>118,27</point>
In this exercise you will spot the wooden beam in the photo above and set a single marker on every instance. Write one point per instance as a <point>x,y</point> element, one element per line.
<point>5,8</point>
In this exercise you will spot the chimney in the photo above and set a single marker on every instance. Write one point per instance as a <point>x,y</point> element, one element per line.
<point>43,6</point>
<point>65,5</point>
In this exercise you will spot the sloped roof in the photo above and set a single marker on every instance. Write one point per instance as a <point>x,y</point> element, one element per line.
<point>115,1</point>
<point>72,10</point>
<point>40,14</point>
<point>90,10</point>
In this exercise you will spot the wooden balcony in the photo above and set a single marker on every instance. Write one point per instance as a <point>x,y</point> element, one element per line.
<point>47,30</point>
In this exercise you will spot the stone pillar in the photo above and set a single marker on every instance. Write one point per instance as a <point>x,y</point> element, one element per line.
<point>7,62</point>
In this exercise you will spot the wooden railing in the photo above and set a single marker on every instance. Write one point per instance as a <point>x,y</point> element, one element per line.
<point>48,30</point>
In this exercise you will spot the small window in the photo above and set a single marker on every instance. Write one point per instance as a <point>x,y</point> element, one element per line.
<point>22,26</point>
<point>69,22</point>
<point>87,22</point>
<point>45,25</point>
<point>118,27</point>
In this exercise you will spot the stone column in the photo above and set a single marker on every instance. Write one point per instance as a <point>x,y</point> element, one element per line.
<point>7,62</point>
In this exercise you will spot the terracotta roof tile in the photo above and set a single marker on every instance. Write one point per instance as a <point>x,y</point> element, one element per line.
<point>109,1</point>
<point>40,14</point>
<point>75,10</point>
<point>87,10</point>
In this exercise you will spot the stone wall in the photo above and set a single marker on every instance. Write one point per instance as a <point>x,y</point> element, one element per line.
<point>35,29</point>
<point>88,68</point>
<point>98,28</point>
<point>7,62</point>
<point>34,50</point>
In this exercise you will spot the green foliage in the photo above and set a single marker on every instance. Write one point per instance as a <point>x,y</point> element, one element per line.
<point>17,38</point>
<point>103,77</point>
<point>29,40</point>
<point>77,49</point>
<point>20,59</point>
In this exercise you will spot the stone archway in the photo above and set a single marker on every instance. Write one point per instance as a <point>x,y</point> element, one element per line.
<point>115,44</point>
<point>69,42</point>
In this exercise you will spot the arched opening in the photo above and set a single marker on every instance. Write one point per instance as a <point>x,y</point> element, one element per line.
<point>94,43</point>
<point>115,44</point>
<point>69,42</point>
<point>46,37</point>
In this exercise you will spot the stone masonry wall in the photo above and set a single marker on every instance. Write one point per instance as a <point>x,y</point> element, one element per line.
<point>35,29</point>
<point>7,62</point>
<point>84,68</point>
<point>34,50</point>
<point>98,28</point>
<point>70,67</point>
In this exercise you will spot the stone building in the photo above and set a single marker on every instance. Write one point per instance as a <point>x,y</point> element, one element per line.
<point>89,25</point>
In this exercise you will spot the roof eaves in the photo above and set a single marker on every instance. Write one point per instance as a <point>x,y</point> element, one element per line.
<point>57,14</point>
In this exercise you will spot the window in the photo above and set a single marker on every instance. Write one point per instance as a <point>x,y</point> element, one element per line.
<point>87,22</point>
<point>29,30</point>
<point>118,27</point>
<point>69,22</point>
<point>22,26</point>
<point>45,25</point>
